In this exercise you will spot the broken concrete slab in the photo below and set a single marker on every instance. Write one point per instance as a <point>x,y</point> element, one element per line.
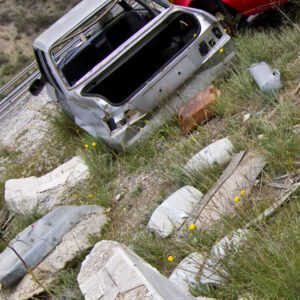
<point>172,213</point>
<point>42,194</point>
<point>187,273</point>
<point>73,244</point>
<point>37,240</point>
<point>219,152</point>
<point>112,271</point>
<point>225,197</point>
<point>213,271</point>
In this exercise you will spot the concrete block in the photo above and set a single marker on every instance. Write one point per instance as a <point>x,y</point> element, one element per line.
<point>187,273</point>
<point>24,195</point>
<point>172,213</point>
<point>219,152</point>
<point>112,271</point>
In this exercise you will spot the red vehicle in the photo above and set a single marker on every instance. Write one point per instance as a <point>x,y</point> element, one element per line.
<point>232,7</point>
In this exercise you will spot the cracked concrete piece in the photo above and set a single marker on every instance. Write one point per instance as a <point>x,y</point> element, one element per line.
<point>222,202</point>
<point>219,152</point>
<point>187,273</point>
<point>112,271</point>
<point>73,244</point>
<point>212,271</point>
<point>172,213</point>
<point>38,240</point>
<point>46,192</point>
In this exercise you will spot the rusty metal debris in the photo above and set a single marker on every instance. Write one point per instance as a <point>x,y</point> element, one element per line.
<point>198,109</point>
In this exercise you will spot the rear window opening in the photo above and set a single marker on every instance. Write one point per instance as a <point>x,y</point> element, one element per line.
<point>118,84</point>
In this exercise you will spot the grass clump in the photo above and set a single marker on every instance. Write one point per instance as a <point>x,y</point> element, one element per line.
<point>163,254</point>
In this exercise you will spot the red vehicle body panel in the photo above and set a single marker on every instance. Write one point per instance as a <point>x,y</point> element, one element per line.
<point>251,7</point>
<point>246,7</point>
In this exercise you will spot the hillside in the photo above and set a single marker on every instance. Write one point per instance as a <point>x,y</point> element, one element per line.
<point>20,23</point>
<point>38,137</point>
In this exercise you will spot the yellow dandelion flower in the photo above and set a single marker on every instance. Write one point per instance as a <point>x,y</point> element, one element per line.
<point>236,198</point>
<point>75,195</point>
<point>30,105</point>
<point>221,50</point>
<point>94,144</point>
<point>86,145</point>
<point>31,126</point>
<point>195,34</point>
<point>90,195</point>
<point>170,258</point>
<point>242,192</point>
<point>225,29</point>
<point>192,226</point>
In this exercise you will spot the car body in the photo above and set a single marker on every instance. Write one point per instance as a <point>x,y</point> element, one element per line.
<point>244,7</point>
<point>112,64</point>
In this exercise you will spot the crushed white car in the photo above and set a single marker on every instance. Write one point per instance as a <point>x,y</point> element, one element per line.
<point>111,63</point>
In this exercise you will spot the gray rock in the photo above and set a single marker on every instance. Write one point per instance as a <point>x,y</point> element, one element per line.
<point>112,271</point>
<point>24,195</point>
<point>173,212</point>
<point>73,244</point>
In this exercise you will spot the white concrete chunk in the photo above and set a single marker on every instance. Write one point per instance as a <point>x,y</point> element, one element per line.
<point>74,243</point>
<point>213,272</point>
<point>112,271</point>
<point>187,273</point>
<point>46,192</point>
<point>172,213</point>
<point>223,201</point>
<point>219,152</point>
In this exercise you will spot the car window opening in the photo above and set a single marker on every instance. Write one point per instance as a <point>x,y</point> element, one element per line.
<point>150,57</point>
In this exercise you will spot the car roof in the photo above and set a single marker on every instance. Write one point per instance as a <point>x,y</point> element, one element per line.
<point>67,23</point>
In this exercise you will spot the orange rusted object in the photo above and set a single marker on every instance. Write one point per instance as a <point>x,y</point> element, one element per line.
<point>197,110</point>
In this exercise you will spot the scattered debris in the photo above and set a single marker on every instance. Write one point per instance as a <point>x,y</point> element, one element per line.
<point>172,213</point>
<point>219,152</point>
<point>266,78</point>
<point>246,117</point>
<point>42,194</point>
<point>39,239</point>
<point>112,271</point>
<point>74,243</point>
<point>198,109</point>
<point>269,211</point>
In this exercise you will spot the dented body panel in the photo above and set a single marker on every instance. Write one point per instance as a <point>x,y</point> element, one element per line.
<point>113,70</point>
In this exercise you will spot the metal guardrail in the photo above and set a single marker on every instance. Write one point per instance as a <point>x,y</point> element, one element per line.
<point>18,85</point>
